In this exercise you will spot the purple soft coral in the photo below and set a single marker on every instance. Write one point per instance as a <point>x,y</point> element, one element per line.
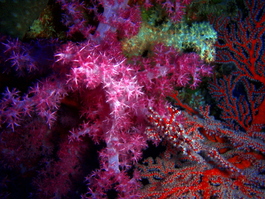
<point>111,92</point>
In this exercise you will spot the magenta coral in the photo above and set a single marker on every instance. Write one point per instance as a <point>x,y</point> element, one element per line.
<point>114,95</point>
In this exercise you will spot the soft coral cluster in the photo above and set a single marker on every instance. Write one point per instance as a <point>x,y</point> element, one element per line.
<point>166,68</point>
<point>111,92</point>
<point>123,92</point>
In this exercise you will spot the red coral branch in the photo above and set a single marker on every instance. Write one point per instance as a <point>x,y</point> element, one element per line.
<point>241,94</point>
<point>204,159</point>
<point>242,41</point>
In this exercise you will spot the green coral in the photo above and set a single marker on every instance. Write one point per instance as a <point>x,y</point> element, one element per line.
<point>199,36</point>
<point>154,16</point>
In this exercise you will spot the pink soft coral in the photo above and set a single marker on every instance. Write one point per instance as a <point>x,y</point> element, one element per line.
<point>167,67</point>
<point>111,92</point>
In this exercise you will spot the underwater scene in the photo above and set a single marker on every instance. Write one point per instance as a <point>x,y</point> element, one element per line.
<point>132,99</point>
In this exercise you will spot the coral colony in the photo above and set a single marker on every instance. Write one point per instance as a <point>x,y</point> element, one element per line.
<point>132,99</point>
